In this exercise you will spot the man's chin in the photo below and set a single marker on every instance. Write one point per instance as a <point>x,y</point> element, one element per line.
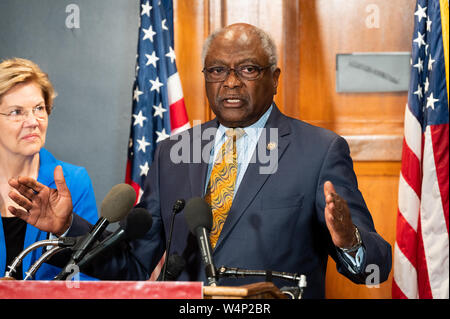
<point>232,119</point>
<point>236,122</point>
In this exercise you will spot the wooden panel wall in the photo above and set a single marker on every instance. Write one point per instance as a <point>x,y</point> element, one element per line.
<point>309,34</point>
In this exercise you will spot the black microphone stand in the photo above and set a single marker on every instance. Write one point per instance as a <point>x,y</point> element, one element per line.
<point>293,292</point>
<point>177,207</point>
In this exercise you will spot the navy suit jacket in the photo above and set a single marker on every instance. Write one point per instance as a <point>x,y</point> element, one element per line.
<point>276,221</point>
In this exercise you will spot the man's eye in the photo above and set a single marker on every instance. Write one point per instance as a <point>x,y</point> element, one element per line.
<point>249,69</point>
<point>216,70</point>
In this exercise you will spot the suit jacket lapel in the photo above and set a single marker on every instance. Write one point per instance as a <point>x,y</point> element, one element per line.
<point>256,174</point>
<point>199,159</point>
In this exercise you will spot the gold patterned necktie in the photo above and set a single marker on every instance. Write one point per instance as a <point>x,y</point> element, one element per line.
<point>220,191</point>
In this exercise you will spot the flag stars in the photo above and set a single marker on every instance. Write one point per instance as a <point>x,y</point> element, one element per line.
<point>136,94</point>
<point>429,22</point>
<point>420,13</point>
<point>146,9</point>
<point>171,54</point>
<point>419,40</point>
<point>151,59</point>
<point>144,169</point>
<point>431,100</point>
<point>161,135</point>
<point>163,24</point>
<point>148,34</point>
<point>419,92</point>
<point>427,85</point>
<point>142,144</point>
<point>419,65</point>
<point>430,63</point>
<point>139,119</point>
<point>155,85</point>
<point>159,110</point>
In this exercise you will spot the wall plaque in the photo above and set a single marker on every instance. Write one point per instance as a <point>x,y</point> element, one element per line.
<point>373,72</point>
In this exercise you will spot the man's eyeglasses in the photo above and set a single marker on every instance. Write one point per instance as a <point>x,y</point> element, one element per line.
<point>19,114</point>
<point>244,72</point>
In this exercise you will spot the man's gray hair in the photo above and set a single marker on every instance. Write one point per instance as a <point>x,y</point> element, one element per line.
<point>268,45</point>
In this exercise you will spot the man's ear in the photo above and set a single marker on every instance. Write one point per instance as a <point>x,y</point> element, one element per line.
<point>275,77</point>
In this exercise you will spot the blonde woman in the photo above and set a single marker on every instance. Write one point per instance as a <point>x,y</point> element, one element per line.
<point>26,100</point>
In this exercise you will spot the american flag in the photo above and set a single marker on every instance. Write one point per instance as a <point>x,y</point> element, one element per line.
<point>421,256</point>
<point>158,103</point>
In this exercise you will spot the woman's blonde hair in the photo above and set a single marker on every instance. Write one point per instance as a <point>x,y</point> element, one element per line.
<point>16,70</point>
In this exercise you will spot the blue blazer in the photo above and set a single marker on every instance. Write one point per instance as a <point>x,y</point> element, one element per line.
<point>276,221</point>
<point>84,204</point>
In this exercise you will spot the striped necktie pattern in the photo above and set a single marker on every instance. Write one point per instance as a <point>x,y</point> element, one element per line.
<point>220,191</point>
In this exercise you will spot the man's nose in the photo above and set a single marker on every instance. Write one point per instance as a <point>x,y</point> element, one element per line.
<point>233,80</point>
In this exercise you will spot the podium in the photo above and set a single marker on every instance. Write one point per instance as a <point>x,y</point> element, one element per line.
<point>260,290</point>
<point>34,289</point>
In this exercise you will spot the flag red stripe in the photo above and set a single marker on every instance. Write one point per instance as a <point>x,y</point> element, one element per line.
<point>423,283</point>
<point>397,292</point>
<point>411,169</point>
<point>133,184</point>
<point>128,172</point>
<point>439,137</point>
<point>406,239</point>
<point>178,114</point>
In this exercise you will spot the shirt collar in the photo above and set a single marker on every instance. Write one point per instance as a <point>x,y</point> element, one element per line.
<point>251,131</point>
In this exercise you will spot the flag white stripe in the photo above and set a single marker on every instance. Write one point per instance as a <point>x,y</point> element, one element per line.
<point>434,230</point>
<point>408,203</point>
<point>405,274</point>
<point>174,88</point>
<point>413,133</point>
<point>181,128</point>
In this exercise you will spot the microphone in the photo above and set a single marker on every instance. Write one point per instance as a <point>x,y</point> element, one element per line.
<point>177,207</point>
<point>62,242</point>
<point>199,219</point>
<point>116,205</point>
<point>175,265</point>
<point>138,223</point>
<point>49,253</point>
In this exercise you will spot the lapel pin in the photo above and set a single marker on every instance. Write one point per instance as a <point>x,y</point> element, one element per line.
<point>271,146</point>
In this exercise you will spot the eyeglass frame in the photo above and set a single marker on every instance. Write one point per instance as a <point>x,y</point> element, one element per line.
<point>9,116</point>
<point>236,72</point>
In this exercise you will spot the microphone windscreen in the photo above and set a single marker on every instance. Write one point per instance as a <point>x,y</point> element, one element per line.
<point>175,265</point>
<point>138,223</point>
<point>178,206</point>
<point>198,214</point>
<point>118,202</point>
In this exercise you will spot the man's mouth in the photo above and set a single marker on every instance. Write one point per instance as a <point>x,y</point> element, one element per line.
<point>233,102</point>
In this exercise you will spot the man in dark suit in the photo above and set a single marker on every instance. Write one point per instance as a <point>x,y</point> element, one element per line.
<point>287,201</point>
